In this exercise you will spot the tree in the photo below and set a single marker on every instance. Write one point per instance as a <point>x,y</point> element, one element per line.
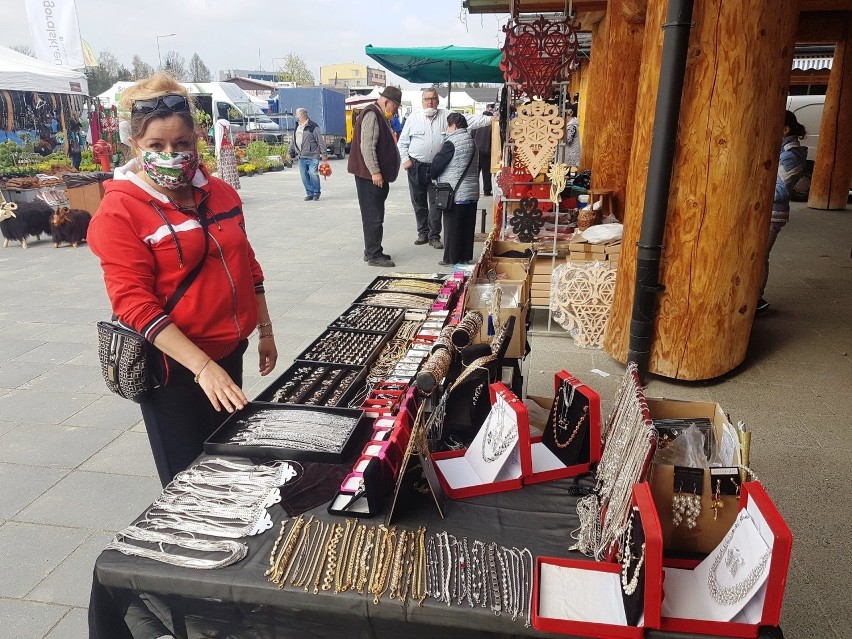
<point>141,69</point>
<point>24,48</point>
<point>295,70</point>
<point>175,65</point>
<point>107,73</point>
<point>198,71</point>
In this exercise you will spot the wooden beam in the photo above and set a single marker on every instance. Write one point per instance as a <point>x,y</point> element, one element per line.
<point>532,6</point>
<point>822,27</point>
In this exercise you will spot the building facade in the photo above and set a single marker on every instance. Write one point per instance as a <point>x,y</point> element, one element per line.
<point>352,75</point>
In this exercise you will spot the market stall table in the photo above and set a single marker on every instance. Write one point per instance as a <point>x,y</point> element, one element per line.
<point>238,601</point>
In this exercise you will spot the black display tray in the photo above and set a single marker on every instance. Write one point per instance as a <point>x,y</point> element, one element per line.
<point>389,327</point>
<point>217,443</point>
<point>382,339</point>
<point>268,394</point>
<point>360,299</point>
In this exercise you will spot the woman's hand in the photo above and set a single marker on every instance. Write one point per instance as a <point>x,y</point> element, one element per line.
<point>268,353</point>
<point>220,388</point>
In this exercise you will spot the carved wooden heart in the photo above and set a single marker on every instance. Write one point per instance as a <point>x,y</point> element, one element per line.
<point>536,131</point>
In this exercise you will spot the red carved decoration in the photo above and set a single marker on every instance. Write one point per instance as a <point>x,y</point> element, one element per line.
<point>537,54</point>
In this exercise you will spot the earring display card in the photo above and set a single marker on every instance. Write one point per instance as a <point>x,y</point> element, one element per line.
<point>287,431</point>
<point>315,385</point>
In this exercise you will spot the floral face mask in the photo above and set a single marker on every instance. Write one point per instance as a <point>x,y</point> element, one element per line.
<point>170,170</point>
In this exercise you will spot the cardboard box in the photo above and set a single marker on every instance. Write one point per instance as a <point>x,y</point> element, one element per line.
<point>546,466</point>
<point>87,197</point>
<point>764,607</point>
<point>517,345</point>
<point>459,477</point>
<point>595,591</point>
<point>712,525</point>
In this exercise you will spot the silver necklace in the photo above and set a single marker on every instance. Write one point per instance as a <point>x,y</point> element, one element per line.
<point>731,595</point>
<point>496,441</point>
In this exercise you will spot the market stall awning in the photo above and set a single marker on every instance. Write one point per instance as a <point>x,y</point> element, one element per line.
<point>440,64</point>
<point>19,72</point>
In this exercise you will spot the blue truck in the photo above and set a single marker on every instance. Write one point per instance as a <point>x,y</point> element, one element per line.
<point>326,107</point>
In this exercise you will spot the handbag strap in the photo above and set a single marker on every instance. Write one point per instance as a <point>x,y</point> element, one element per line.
<point>190,277</point>
<point>469,162</point>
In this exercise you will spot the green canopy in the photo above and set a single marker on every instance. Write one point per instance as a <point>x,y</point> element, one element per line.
<point>440,64</point>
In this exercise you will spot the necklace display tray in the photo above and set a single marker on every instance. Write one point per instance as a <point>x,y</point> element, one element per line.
<point>220,442</point>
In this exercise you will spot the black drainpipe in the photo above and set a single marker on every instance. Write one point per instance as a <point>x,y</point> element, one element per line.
<point>675,44</point>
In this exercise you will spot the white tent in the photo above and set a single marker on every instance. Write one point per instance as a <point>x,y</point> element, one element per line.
<point>19,72</point>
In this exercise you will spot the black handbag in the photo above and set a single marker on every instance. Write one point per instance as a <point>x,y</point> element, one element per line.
<point>125,354</point>
<point>445,194</point>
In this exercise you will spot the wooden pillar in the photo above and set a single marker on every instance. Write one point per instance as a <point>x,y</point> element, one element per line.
<point>622,55</point>
<point>722,187</point>
<point>580,85</point>
<point>595,110</point>
<point>833,167</point>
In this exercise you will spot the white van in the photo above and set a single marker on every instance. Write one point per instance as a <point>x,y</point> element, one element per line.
<point>808,111</point>
<point>231,103</point>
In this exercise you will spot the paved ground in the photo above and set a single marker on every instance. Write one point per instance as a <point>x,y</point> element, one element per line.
<point>75,464</point>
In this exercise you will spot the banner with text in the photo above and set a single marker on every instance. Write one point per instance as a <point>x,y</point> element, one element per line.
<point>56,32</point>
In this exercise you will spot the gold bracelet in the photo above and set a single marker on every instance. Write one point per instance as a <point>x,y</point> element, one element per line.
<point>198,374</point>
<point>264,325</point>
<point>264,335</point>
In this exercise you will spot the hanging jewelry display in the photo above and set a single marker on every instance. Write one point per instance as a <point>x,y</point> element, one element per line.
<point>538,54</point>
<point>536,131</point>
<point>628,444</point>
<point>526,220</point>
<point>580,299</point>
<point>686,507</point>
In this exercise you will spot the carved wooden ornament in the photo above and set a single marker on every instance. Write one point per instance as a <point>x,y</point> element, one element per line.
<point>526,220</point>
<point>580,299</point>
<point>536,131</point>
<point>537,54</point>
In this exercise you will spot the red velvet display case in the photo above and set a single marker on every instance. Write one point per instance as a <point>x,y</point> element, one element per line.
<point>595,588</point>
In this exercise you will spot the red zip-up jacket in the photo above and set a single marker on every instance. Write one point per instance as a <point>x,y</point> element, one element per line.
<point>145,257</point>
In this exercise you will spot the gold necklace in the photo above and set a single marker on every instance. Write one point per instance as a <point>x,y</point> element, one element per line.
<point>576,429</point>
<point>363,568</point>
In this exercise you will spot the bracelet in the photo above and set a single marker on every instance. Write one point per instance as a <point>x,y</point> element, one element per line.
<point>198,374</point>
<point>264,325</point>
<point>262,335</point>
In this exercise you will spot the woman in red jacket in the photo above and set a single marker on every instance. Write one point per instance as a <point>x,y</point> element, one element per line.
<point>149,232</point>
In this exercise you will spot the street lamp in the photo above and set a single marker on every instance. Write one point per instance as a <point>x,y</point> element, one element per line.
<point>159,57</point>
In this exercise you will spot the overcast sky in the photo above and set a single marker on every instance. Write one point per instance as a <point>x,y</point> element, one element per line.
<point>248,34</point>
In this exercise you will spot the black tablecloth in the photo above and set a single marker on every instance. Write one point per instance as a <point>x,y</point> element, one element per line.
<point>238,601</point>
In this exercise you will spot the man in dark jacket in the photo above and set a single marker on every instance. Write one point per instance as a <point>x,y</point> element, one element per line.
<point>309,147</point>
<point>482,138</point>
<point>374,161</point>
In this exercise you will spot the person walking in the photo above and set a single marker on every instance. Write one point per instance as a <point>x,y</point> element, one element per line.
<point>456,163</point>
<point>422,135</point>
<point>309,146</point>
<point>791,164</point>
<point>161,216</point>
<point>572,137</point>
<point>374,161</point>
<point>76,143</point>
<point>482,139</point>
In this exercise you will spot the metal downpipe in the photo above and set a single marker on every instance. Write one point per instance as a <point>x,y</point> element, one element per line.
<point>672,70</point>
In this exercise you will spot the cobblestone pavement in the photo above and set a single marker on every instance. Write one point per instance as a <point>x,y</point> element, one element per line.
<point>74,460</point>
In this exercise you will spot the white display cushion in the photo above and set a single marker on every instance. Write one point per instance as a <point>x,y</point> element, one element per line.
<point>360,506</point>
<point>458,472</point>
<point>501,420</point>
<point>574,594</point>
<point>544,460</point>
<point>687,592</point>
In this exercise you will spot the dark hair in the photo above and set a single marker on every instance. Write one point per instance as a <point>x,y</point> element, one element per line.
<point>793,124</point>
<point>457,120</point>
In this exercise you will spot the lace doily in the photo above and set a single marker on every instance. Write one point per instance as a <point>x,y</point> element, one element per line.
<point>580,298</point>
<point>536,132</point>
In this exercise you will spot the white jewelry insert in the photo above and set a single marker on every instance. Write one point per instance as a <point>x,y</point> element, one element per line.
<point>574,594</point>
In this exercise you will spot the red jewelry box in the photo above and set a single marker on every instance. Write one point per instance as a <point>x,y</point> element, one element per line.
<point>653,567</point>
<point>776,534</point>
<point>543,457</point>
<point>523,450</point>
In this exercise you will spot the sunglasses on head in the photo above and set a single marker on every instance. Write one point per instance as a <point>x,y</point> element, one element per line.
<point>172,102</point>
